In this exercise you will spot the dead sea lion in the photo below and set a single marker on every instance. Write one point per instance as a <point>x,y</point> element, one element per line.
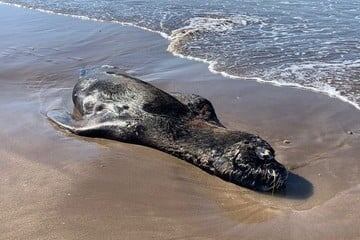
<point>110,104</point>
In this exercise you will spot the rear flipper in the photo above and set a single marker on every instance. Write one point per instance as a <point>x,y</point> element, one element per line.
<point>126,131</point>
<point>64,120</point>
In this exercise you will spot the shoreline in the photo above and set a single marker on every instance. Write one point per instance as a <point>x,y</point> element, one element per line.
<point>331,92</point>
<point>59,185</point>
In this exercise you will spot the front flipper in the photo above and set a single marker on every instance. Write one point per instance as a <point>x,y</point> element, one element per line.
<point>199,107</point>
<point>126,131</point>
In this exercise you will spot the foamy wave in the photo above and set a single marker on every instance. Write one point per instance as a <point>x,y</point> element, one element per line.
<point>199,25</point>
<point>321,65</point>
<point>322,77</point>
<point>208,24</point>
<point>321,88</point>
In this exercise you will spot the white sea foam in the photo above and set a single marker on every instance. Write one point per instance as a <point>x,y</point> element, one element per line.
<point>200,25</point>
<point>216,25</point>
<point>322,88</point>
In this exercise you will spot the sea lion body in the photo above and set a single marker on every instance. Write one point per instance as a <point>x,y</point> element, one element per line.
<point>113,105</point>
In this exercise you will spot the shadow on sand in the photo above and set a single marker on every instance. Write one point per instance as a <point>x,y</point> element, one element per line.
<point>297,188</point>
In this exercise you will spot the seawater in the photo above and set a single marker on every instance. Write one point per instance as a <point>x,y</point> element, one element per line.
<point>301,43</point>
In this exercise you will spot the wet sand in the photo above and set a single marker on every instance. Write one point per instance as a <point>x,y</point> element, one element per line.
<point>55,185</point>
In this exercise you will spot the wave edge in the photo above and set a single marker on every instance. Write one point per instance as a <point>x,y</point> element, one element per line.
<point>331,92</point>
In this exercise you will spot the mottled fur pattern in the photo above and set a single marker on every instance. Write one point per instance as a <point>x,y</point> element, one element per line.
<point>113,105</point>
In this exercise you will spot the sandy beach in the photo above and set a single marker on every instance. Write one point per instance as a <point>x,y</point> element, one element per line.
<point>55,185</point>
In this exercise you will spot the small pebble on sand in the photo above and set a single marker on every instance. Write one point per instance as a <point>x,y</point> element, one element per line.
<point>286,141</point>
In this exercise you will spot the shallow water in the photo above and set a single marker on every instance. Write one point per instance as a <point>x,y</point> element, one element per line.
<point>303,43</point>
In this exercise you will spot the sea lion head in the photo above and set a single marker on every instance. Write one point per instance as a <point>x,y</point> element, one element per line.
<point>252,163</point>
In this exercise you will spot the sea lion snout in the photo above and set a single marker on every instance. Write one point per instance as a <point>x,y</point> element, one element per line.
<point>252,166</point>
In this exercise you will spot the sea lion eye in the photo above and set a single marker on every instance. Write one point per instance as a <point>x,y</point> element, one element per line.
<point>263,153</point>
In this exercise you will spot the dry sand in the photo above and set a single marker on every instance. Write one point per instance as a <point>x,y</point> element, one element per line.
<point>55,185</point>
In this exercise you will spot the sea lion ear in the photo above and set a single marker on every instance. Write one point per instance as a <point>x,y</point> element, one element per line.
<point>64,120</point>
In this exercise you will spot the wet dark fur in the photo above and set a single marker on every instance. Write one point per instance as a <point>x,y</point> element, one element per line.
<point>114,105</point>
